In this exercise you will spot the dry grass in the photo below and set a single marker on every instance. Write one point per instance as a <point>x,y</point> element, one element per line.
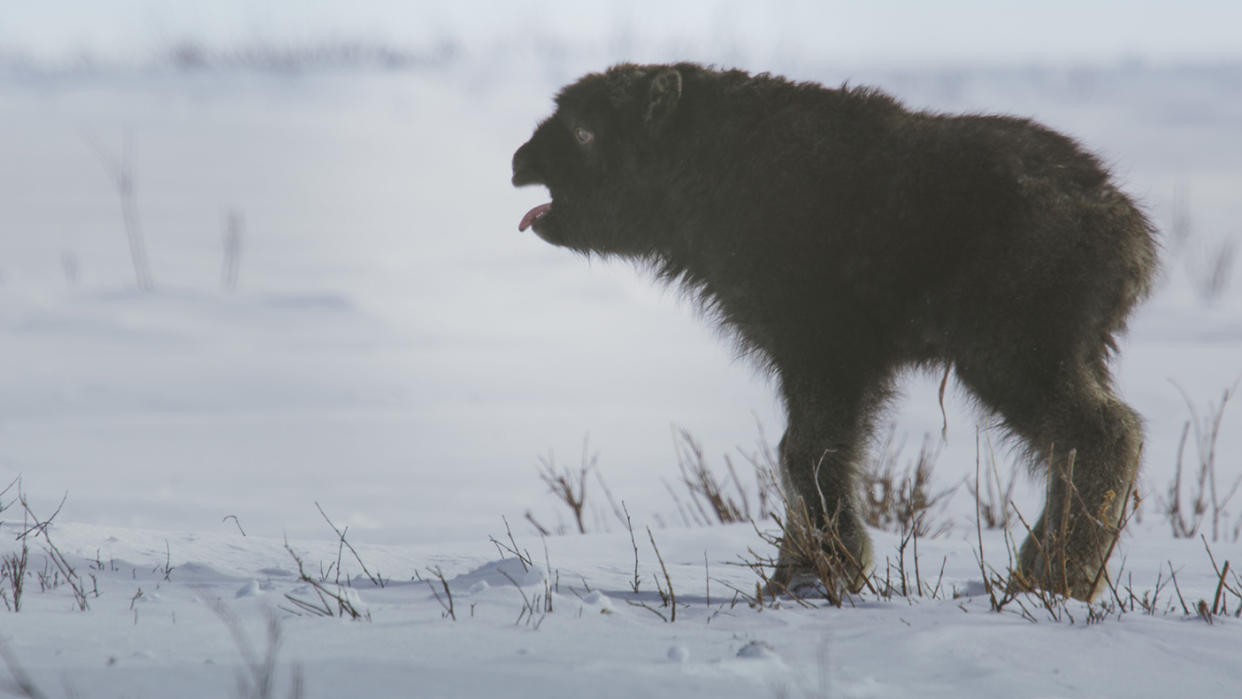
<point>813,556</point>
<point>711,500</point>
<point>992,495</point>
<point>1049,587</point>
<point>13,565</point>
<point>1186,513</point>
<point>446,602</point>
<point>336,598</point>
<point>57,568</point>
<point>895,498</point>
<point>704,497</point>
<point>342,544</point>
<point>568,485</point>
<point>331,601</point>
<point>13,571</point>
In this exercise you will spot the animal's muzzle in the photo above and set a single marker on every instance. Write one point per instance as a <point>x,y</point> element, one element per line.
<point>523,169</point>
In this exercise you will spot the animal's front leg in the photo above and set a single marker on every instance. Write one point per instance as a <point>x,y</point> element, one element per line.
<point>824,539</point>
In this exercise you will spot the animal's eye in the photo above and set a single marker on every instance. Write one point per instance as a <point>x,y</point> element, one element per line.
<point>583,136</point>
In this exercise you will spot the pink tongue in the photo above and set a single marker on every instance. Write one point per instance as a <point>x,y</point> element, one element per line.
<point>533,215</point>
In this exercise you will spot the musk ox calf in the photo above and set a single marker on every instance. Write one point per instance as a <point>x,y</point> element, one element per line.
<point>842,237</point>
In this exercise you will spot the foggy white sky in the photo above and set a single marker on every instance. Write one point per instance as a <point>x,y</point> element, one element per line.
<point>897,31</point>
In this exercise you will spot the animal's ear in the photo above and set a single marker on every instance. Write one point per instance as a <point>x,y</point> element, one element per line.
<point>662,99</point>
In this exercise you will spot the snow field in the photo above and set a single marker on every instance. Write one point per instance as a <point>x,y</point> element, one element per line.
<point>398,353</point>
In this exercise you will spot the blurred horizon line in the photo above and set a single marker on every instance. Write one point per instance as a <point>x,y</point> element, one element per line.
<point>337,55</point>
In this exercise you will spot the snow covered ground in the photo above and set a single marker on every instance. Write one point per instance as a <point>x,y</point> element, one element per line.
<point>173,640</point>
<point>396,352</point>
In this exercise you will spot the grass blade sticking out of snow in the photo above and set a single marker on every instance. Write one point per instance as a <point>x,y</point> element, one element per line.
<point>448,594</point>
<point>343,543</point>
<point>39,528</point>
<point>1207,499</point>
<point>343,605</point>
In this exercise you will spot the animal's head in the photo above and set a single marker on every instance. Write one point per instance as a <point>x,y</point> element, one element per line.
<point>599,156</point>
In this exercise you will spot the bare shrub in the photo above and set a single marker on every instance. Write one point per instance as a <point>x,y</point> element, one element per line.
<point>449,611</point>
<point>1186,513</point>
<point>702,496</point>
<point>902,580</point>
<point>1225,588</point>
<point>34,528</point>
<point>376,578</point>
<point>13,566</point>
<point>534,609</point>
<point>668,596</point>
<point>512,547</point>
<point>711,501</point>
<point>13,570</point>
<point>568,485</point>
<point>766,465</point>
<point>330,602</point>
<point>896,498</point>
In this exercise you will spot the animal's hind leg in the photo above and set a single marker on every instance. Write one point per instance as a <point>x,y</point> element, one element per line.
<point>1088,442</point>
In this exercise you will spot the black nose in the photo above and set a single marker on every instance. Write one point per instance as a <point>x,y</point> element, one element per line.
<point>523,171</point>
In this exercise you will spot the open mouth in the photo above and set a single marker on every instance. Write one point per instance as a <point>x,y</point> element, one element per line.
<point>534,215</point>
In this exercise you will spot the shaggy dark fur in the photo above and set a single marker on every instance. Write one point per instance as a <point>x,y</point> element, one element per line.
<point>843,237</point>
